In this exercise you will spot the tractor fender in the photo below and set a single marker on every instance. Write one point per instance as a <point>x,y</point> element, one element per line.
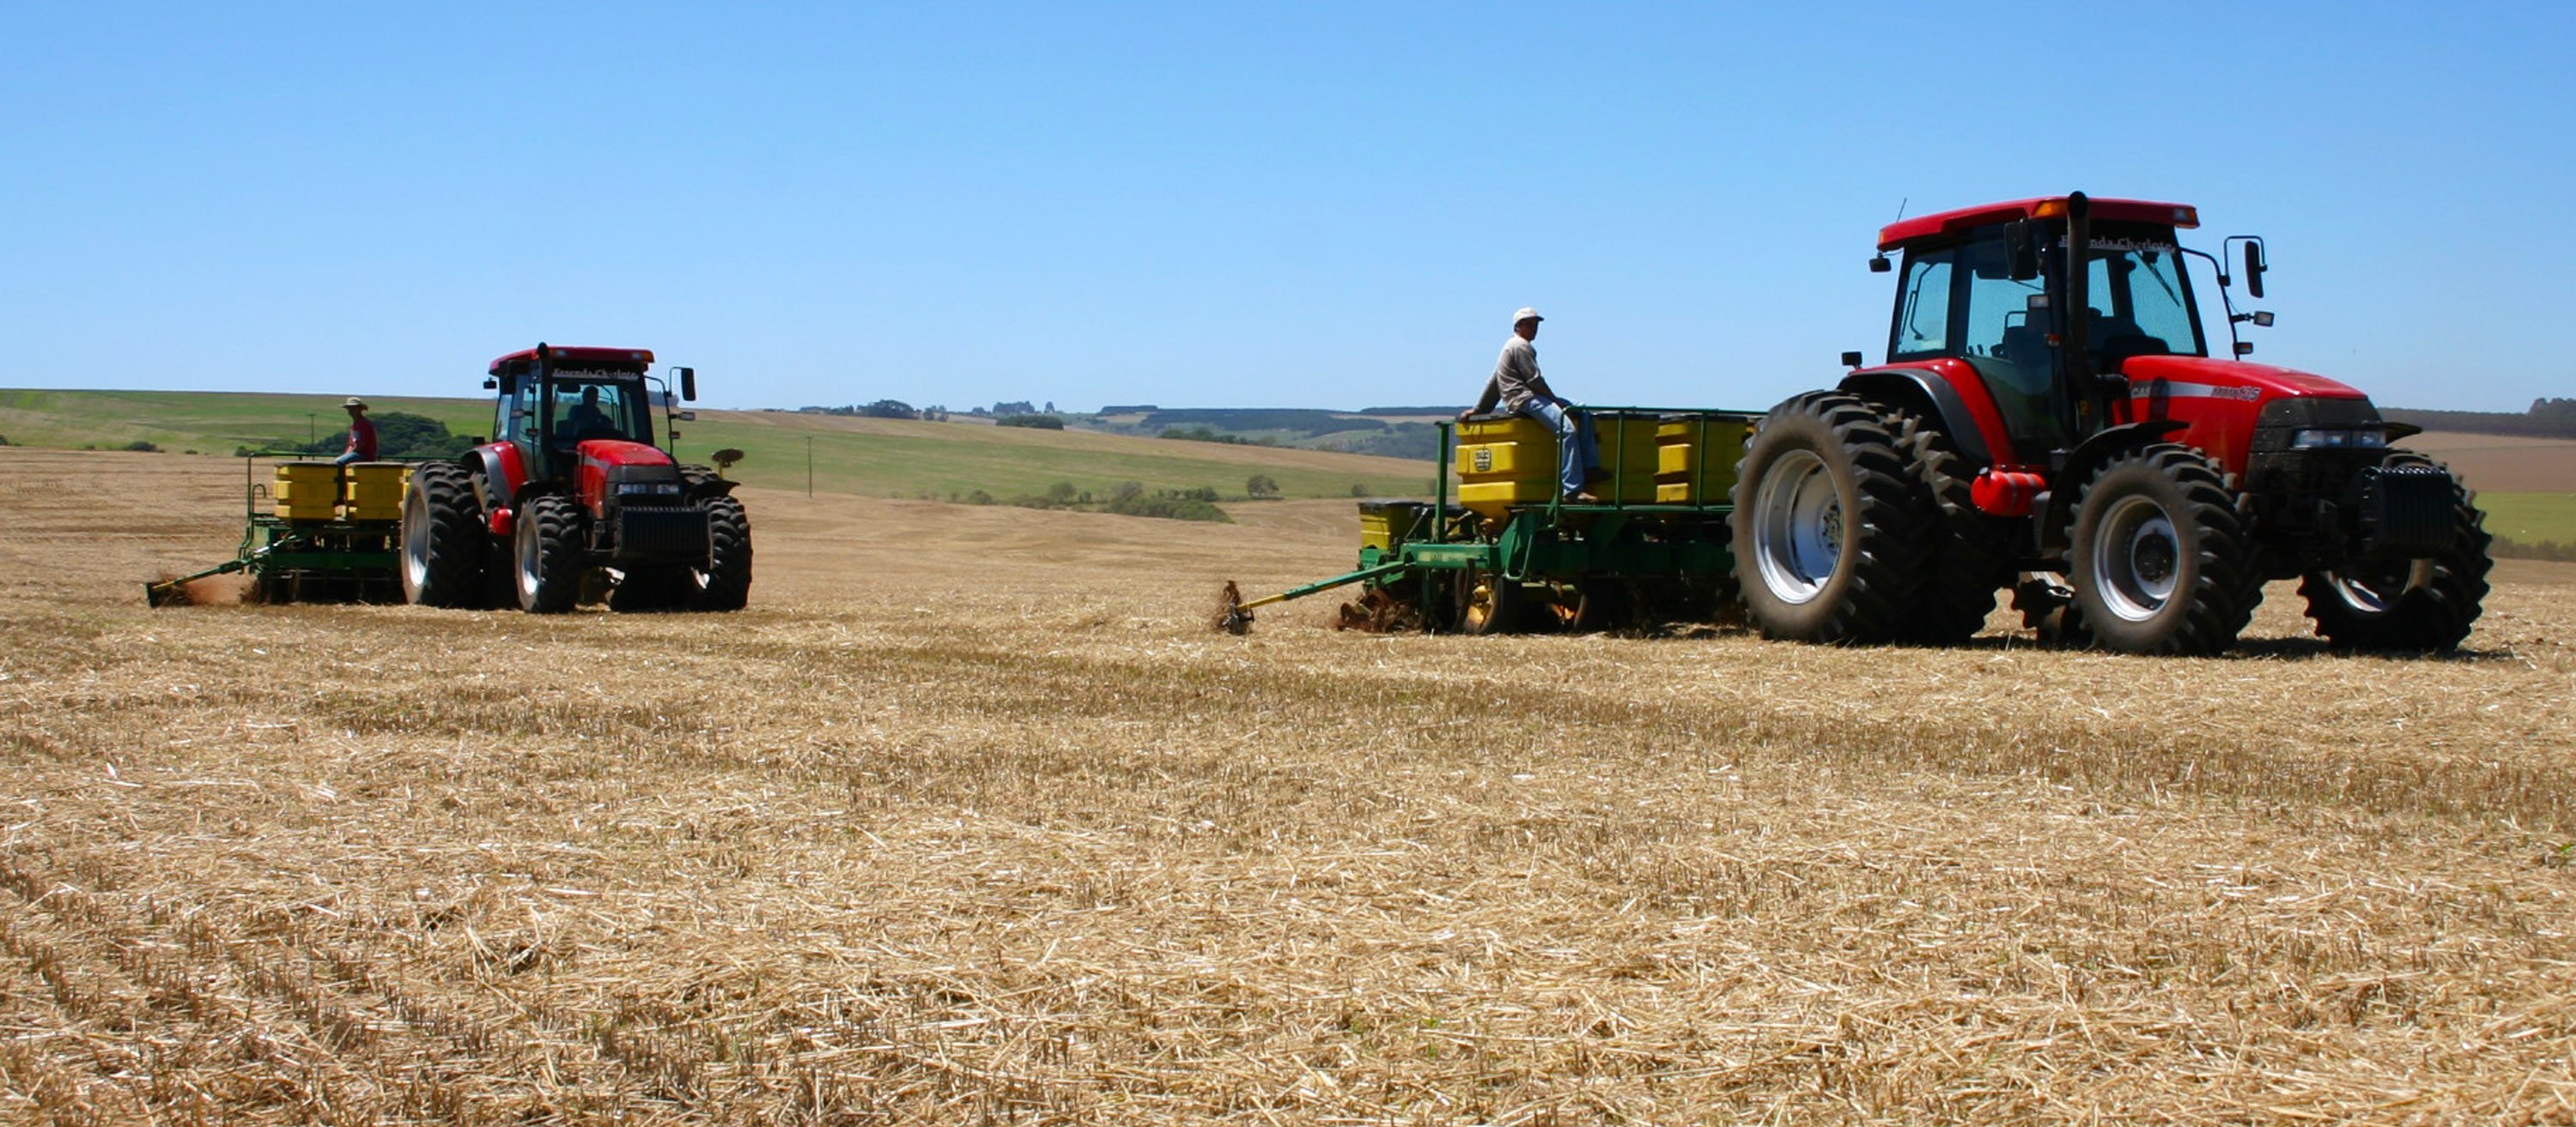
<point>705,483</point>
<point>2058,511</point>
<point>1928,393</point>
<point>498,473</point>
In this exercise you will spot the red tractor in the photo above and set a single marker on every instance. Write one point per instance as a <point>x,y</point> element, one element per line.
<point>2050,409</point>
<point>572,502</point>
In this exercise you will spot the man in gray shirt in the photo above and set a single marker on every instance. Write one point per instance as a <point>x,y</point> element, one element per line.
<point>1519,388</point>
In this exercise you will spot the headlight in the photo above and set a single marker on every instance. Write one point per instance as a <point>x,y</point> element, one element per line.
<point>2368,438</point>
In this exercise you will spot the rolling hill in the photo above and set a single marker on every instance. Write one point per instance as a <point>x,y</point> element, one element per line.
<point>867,457</point>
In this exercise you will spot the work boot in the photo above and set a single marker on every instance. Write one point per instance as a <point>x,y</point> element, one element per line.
<point>1582,497</point>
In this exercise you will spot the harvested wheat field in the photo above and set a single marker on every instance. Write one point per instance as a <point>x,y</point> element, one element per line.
<point>970,819</point>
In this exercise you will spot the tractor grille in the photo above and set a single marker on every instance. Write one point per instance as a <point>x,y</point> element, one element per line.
<point>669,535</point>
<point>2407,512</point>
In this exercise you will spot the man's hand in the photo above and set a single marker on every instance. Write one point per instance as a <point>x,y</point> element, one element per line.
<point>1464,414</point>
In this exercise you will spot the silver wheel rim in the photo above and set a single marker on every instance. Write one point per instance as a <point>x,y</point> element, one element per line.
<point>2379,594</point>
<point>1797,527</point>
<point>415,556</point>
<point>527,541</point>
<point>2137,559</point>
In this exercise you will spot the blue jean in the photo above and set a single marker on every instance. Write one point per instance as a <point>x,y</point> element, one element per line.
<point>1577,454</point>
<point>345,459</point>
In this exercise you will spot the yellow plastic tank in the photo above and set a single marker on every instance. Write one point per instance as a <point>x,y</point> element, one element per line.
<point>1385,524</point>
<point>308,490</point>
<point>374,490</point>
<point>1683,473</point>
<point>1512,461</point>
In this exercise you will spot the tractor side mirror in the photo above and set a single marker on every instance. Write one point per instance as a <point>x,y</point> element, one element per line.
<point>491,383</point>
<point>688,383</point>
<point>2254,267</point>
<point>1878,264</point>
<point>1851,359</point>
<point>2021,251</point>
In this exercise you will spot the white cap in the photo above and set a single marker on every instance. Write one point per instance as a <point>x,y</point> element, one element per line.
<point>354,401</point>
<point>1526,314</point>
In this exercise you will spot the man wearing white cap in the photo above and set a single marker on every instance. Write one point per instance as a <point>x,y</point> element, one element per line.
<point>1519,388</point>
<point>362,434</point>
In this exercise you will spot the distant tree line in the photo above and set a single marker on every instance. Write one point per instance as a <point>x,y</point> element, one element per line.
<point>2548,418</point>
<point>1209,434</point>
<point>399,434</point>
<point>1128,499</point>
<point>1296,419</point>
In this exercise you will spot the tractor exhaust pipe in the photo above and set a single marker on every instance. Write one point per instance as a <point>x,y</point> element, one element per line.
<point>2075,333</point>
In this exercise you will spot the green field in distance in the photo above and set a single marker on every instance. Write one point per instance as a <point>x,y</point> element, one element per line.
<point>867,457</point>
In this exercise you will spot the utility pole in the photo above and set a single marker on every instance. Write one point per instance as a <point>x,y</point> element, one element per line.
<point>312,427</point>
<point>809,465</point>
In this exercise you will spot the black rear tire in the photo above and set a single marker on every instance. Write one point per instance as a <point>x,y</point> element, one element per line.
<point>1967,554</point>
<point>443,542</point>
<point>2162,562</point>
<point>548,555</point>
<point>2419,604</point>
<point>1827,531</point>
<point>725,585</point>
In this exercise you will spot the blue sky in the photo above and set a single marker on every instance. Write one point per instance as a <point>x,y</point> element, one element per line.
<point>1327,205</point>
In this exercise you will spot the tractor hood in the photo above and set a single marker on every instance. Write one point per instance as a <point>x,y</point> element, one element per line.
<point>2186,376</point>
<point>2222,404</point>
<point>614,471</point>
<point>619,452</point>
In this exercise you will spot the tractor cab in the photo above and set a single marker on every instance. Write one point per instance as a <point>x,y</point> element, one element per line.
<point>551,400</point>
<point>1985,288</point>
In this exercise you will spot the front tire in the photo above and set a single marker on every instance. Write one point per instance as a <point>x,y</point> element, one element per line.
<point>2162,562</point>
<point>443,547</point>
<point>725,585</point>
<point>2418,604</point>
<point>1827,532</point>
<point>547,550</point>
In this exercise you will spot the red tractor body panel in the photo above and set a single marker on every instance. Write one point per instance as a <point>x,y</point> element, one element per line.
<point>1972,392</point>
<point>514,465</point>
<point>599,456</point>
<point>1942,223</point>
<point>636,358</point>
<point>2219,399</point>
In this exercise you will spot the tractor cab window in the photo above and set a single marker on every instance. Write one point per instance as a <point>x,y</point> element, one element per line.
<point>2003,334</point>
<point>510,420</point>
<point>2140,302</point>
<point>579,410</point>
<point>2006,319</point>
<point>1923,307</point>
